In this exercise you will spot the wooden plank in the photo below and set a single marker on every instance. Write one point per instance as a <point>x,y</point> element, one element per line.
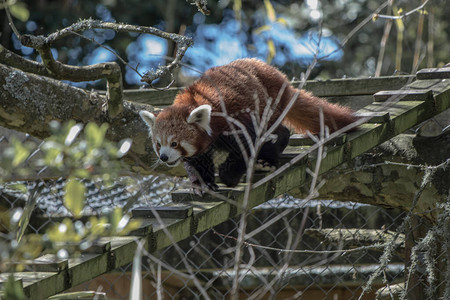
<point>300,140</point>
<point>97,247</point>
<point>367,137</point>
<point>36,284</point>
<point>320,88</point>
<point>46,263</point>
<point>152,96</point>
<point>305,140</point>
<point>143,230</point>
<point>374,116</point>
<point>175,212</point>
<point>403,95</point>
<point>433,73</point>
<point>355,86</point>
<point>355,102</point>
<point>333,156</point>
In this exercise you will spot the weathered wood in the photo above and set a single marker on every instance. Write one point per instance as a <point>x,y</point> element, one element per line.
<point>382,176</point>
<point>433,73</point>
<point>305,140</point>
<point>321,88</point>
<point>355,86</point>
<point>374,117</point>
<point>98,247</point>
<point>45,263</point>
<point>37,284</point>
<point>152,97</point>
<point>403,95</point>
<point>174,212</point>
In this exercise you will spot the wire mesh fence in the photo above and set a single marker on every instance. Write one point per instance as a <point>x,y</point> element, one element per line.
<point>280,261</point>
<point>293,249</point>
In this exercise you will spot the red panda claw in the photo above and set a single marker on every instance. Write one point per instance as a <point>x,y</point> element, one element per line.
<point>212,186</point>
<point>200,191</point>
<point>197,191</point>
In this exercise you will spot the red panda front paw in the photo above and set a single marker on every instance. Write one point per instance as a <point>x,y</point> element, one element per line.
<point>264,166</point>
<point>212,186</point>
<point>200,189</point>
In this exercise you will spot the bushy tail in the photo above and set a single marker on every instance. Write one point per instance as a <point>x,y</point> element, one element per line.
<point>304,114</point>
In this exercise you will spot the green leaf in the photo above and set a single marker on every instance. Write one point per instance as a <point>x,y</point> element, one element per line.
<point>95,135</point>
<point>63,232</point>
<point>116,216</point>
<point>20,11</point>
<point>13,289</point>
<point>74,196</point>
<point>19,187</point>
<point>81,173</point>
<point>20,152</point>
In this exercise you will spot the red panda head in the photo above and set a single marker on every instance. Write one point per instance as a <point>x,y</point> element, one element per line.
<point>178,133</point>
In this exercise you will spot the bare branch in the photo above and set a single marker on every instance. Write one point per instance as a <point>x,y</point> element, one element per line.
<point>420,7</point>
<point>201,6</point>
<point>110,70</point>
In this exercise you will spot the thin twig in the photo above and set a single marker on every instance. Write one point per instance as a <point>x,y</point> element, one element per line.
<point>401,16</point>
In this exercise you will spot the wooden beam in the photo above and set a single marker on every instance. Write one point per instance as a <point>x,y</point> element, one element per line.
<point>321,88</point>
<point>433,73</point>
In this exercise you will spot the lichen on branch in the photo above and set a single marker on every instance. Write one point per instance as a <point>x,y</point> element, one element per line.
<point>50,67</point>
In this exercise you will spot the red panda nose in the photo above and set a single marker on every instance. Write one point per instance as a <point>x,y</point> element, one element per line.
<point>164,157</point>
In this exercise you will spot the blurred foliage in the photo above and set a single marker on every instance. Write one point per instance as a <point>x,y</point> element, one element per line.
<point>79,154</point>
<point>13,290</point>
<point>336,18</point>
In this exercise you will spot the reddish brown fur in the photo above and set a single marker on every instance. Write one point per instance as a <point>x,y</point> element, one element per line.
<point>239,83</point>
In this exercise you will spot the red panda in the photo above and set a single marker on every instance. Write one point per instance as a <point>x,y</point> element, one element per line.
<point>196,124</point>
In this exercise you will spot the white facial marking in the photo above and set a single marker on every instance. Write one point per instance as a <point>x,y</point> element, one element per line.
<point>158,140</point>
<point>172,154</point>
<point>190,149</point>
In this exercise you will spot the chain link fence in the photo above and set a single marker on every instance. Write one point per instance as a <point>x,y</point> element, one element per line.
<point>294,248</point>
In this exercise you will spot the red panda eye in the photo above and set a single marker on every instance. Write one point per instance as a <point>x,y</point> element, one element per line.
<point>174,144</point>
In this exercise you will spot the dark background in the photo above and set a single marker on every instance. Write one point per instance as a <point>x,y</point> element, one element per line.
<point>238,29</point>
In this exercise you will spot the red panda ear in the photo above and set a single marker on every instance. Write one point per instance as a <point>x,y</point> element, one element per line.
<point>148,118</point>
<point>202,117</point>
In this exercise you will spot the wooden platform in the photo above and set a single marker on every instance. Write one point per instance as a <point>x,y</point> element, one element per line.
<point>408,102</point>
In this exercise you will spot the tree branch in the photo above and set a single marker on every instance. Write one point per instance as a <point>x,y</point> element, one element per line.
<point>28,102</point>
<point>109,70</point>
